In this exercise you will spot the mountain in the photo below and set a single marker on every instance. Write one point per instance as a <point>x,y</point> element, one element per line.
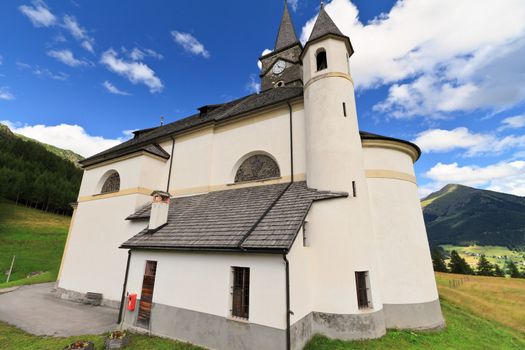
<point>462,215</point>
<point>62,153</point>
<point>36,174</point>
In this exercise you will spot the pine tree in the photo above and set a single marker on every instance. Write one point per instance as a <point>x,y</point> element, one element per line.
<point>484,267</point>
<point>458,265</point>
<point>498,272</point>
<point>512,269</point>
<point>438,261</point>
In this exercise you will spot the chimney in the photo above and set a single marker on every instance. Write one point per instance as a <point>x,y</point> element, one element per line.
<point>159,209</point>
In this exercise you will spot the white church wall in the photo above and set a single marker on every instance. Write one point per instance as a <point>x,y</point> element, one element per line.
<point>201,282</point>
<point>266,133</point>
<point>301,260</point>
<point>93,262</point>
<point>406,268</point>
<point>339,249</point>
<point>191,162</point>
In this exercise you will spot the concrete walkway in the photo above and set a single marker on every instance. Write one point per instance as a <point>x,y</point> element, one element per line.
<point>35,310</point>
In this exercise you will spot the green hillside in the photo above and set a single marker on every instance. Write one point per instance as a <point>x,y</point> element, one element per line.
<point>461,215</point>
<point>36,238</point>
<point>62,153</point>
<point>37,175</point>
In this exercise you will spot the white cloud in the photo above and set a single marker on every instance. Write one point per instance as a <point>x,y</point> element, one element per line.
<point>39,14</point>
<point>5,94</point>
<point>442,53</point>
<point>265,52</point>
<point>439,140</point>
<point>113,89</point>
<point>508,177</point>
<point>253,86</point>
<point>66,136</point>
<point>79,33</point>
<point>43,72</point>
<point>190,44</point>
<point>136,72</point>
<point>515,122</point>
<point>67,57</point>
<point>137,54</point>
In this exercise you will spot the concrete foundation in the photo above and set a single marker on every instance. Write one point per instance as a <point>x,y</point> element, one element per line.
<point>207,330</point>
<point>414,316</point>
<point>78,297</point>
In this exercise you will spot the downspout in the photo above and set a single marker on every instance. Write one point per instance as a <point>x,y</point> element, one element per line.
<point>286,262</point>
<point>171,163</point>
<point>291,139</point>
<point>124,289</point>
<point>288,311</point>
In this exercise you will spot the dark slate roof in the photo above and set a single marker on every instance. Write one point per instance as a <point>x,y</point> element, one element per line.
<point>286,36</point>
<point>369,136</point>
<point>323,26</point>
<point>211,113</point>
<point>258,218</point>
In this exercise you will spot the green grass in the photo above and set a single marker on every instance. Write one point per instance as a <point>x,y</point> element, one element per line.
<point>464,331</point>
<point>36,238</point>
<point>12,338</point>
<point>491,252</point>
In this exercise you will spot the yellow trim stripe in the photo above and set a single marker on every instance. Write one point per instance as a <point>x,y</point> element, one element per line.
<point>205,189</point>
<point>390,174</point>
<point>329,75</point>
<point>134,190</point>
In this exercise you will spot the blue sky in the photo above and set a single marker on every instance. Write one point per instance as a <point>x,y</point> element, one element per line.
<point>449,75</point>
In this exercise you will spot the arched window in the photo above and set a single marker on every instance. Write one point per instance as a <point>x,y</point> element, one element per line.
<point>321,60</point>
<point>257,167</point>
<point>112,184</point>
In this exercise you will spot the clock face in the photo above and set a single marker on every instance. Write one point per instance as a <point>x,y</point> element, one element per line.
<point>279,67</point>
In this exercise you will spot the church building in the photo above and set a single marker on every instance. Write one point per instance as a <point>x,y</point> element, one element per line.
<point>259,222</point>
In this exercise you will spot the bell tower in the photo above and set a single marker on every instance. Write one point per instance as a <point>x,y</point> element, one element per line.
<point>334,161</point>
<point>282,67</point>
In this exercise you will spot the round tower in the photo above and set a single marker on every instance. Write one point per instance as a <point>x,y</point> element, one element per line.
<point>342,230</point>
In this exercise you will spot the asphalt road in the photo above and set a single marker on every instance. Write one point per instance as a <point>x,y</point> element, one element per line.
<point>35,310</point>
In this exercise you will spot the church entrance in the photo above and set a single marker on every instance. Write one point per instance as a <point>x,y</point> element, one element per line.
<point>146,297</point>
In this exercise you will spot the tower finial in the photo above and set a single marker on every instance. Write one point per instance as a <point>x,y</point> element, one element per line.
<point>322,4</point>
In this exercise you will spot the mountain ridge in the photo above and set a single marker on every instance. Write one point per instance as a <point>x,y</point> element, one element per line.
<point>462,215</point>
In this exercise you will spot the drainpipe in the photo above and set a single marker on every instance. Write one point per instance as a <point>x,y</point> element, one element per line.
<point>124,289</point>
<point>288,311</point>
<point>171,163</point>
<point>291,139</point>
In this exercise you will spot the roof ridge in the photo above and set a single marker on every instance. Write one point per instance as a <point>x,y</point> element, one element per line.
<point>254,226</point>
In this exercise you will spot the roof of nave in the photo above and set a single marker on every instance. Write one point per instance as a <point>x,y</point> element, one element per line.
<point>259,218</point>
<point>209,113</point>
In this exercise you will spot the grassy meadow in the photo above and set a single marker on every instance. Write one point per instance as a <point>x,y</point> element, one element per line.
<point>36,238</point>
<point>494,254</point>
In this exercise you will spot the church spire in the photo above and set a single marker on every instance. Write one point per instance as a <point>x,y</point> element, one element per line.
<point>324,25</point>
<point>286,36</point>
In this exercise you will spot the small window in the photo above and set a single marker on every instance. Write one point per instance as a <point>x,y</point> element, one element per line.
<point>112,184</point>
<point>279,84</point>
<point>363,290</point>
<point>306,240</point>
<point>322,63</point>
<point>241,292</point>
<point>257,167</point>
<point>344,109</point>
<point>354,189</point>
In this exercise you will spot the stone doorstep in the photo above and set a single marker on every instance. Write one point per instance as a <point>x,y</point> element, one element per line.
<point>7,290</point>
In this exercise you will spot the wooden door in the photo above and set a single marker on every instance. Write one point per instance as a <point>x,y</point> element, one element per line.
<point>146,296</point>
